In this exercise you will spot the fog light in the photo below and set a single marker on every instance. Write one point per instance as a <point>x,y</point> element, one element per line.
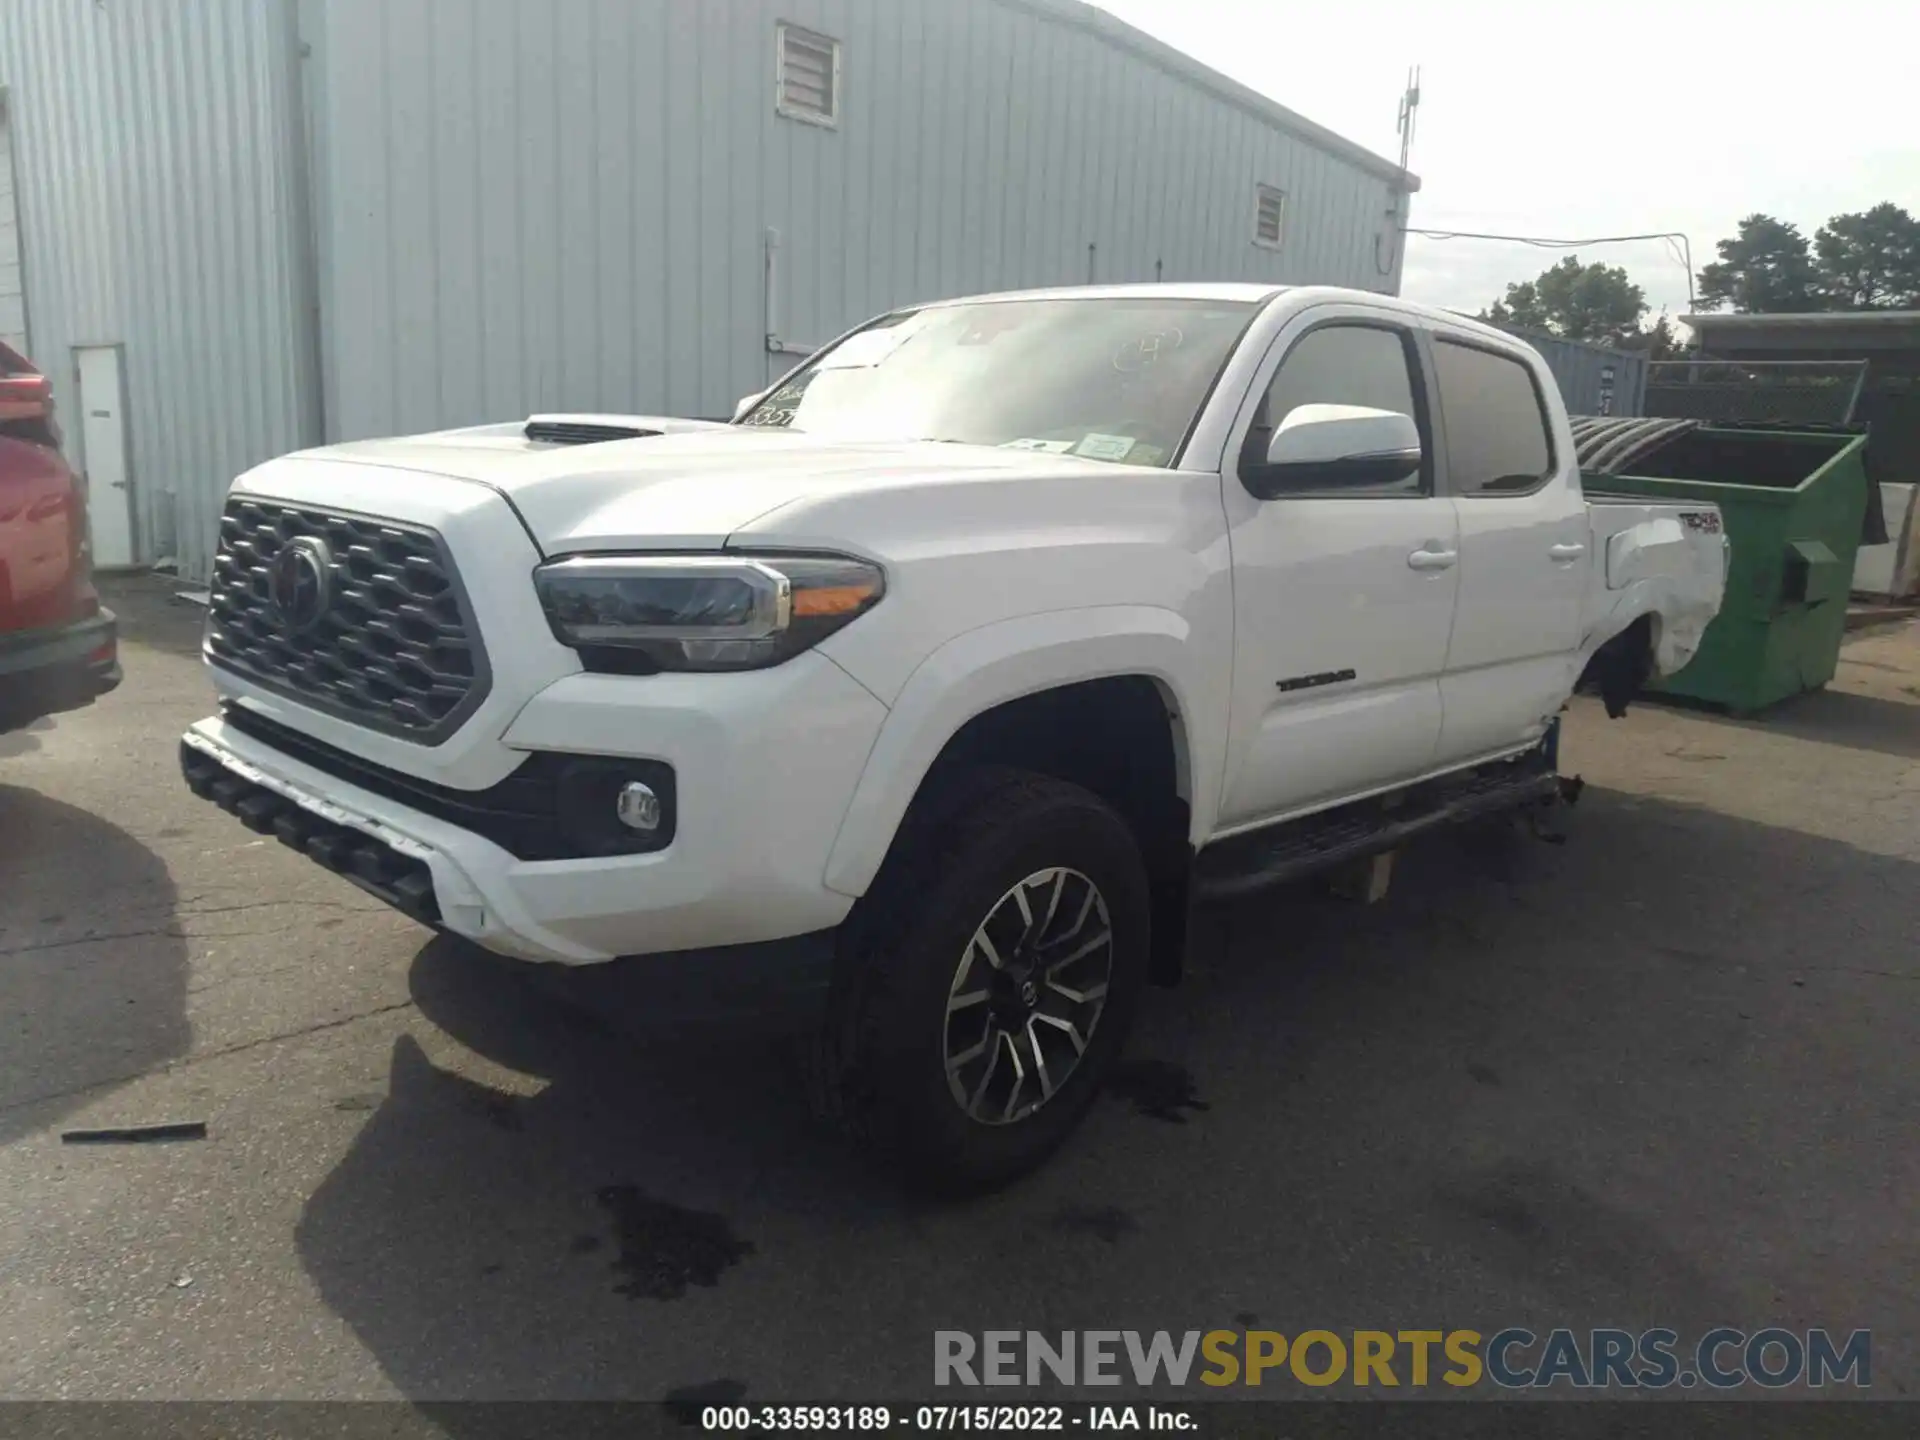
<point>638,807</point>
<point>607,806</point>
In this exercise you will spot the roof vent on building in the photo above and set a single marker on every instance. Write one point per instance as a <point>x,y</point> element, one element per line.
<point>543,430</point>
<point>808,86</point>
<point>1269,213</point>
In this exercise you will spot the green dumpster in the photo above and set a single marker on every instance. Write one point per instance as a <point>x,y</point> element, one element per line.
<point>1794,500</point>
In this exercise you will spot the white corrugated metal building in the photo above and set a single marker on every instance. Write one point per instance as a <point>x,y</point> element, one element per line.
<point>13,295</point>
<point>255,224</point>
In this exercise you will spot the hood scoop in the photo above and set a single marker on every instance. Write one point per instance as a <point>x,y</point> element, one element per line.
<point>599,429</point>
<point>557,430</point>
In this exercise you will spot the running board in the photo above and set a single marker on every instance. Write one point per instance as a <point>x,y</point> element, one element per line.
<point>1294,850</point>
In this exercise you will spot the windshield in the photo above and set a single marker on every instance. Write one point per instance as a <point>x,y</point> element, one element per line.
<point>1116,379</point>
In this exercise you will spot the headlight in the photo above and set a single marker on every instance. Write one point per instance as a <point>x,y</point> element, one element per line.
<point>643,613</point>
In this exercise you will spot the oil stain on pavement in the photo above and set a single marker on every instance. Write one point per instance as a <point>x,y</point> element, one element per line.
<point>665,1248</point>
<point>1157,1089</point>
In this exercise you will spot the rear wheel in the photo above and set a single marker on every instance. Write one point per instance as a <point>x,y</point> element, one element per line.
<point>989,979</point>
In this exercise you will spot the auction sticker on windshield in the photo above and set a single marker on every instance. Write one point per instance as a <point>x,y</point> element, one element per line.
<point>1105,447</point>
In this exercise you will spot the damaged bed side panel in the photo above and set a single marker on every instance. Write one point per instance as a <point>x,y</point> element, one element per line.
<point>1667,562</point>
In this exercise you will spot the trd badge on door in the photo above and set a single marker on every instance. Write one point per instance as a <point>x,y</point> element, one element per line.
<point>1310,682</point>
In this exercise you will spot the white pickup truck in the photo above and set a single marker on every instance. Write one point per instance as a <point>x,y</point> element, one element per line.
<point>927,696</point>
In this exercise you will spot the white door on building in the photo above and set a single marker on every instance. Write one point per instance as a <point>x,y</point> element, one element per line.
<point>103,453</point>
<point>13,297</point>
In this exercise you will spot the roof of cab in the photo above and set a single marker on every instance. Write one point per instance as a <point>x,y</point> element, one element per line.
<point>1236,292</point>
<point>1244,293</point>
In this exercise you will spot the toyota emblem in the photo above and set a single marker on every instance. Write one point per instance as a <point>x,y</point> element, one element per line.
<point>300,583</point>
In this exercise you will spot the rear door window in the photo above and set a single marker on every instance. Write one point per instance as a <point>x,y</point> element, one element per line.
<point>1498,438</point>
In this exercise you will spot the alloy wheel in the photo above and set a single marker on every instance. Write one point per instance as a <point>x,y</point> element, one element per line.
<point>1027,995</point>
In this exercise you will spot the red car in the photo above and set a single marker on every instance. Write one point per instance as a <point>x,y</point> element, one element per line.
<point>58,647</point>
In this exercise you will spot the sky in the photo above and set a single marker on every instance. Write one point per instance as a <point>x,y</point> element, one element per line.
<point>1570,121</point>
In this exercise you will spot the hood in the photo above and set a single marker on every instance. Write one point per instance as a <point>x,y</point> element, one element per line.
<point>685,484</point>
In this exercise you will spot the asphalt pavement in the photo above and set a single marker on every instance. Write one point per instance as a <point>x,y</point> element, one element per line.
<point>1663,1074</point>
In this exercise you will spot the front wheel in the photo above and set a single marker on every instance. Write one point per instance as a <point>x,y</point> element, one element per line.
<point>990,978</point>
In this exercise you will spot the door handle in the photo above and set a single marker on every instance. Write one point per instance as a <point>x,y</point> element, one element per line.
<point>1566,552</point>
<point>1427,558</point>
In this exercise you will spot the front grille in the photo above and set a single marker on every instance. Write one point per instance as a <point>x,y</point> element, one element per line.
<point>394,647</point>
<point>375,866</point>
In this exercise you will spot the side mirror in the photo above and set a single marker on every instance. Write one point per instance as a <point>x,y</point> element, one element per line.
<point>747,402</point>
<point>1336,447</point>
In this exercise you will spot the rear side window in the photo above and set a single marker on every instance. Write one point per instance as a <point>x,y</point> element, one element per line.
<point>1498,442</point>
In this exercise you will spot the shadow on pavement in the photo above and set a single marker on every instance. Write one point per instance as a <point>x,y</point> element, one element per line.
<point>82,1005</point>
<point>1587,1085</point>
<point>1830,717</point>
<point>482,1242</point>
<point>1860,722</point>
<point>25,740</point>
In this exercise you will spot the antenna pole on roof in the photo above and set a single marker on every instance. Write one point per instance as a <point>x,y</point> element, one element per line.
<point>1409,104</point>
<point>1397,194</point>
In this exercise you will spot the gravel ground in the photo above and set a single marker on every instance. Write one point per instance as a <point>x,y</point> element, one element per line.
<point>1661,1075</point>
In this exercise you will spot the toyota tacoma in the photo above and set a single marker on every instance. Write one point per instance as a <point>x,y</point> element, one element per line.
<point>924,699</point>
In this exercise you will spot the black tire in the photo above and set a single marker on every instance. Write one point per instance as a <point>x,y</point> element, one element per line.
<point>884,1057</point>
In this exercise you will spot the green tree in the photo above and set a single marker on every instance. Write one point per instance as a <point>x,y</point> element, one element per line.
<point>1659,341</point>
<point>1596,303</point>
<point>1764,270</point>
<point>1521,310</point>
<point>1870,260</point>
